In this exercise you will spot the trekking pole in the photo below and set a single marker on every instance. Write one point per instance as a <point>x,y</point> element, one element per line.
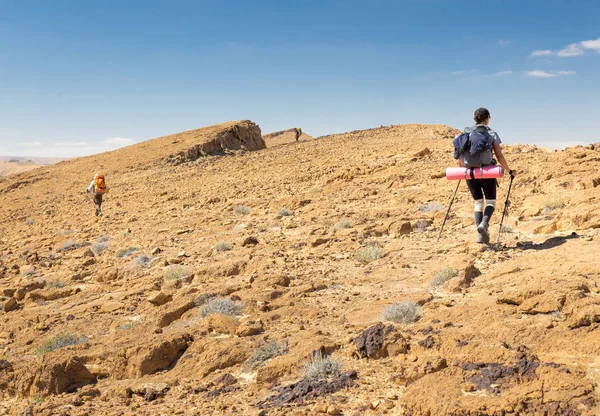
<point>505,209</point>
<point>448,212</point>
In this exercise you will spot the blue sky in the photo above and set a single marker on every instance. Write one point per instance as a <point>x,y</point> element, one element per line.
<point>78,77</point>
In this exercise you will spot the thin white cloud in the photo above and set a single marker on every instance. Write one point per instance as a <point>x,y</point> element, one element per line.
<point>565,72</point>
<point>570,50</point>
<point>591,44</point>
<point>474,73</point>
<point>119,141</point>
<point>545,74</point>
<point>504,42</point>
<point>545,52</point>
<point>573,49</point>
<point>539,74</point>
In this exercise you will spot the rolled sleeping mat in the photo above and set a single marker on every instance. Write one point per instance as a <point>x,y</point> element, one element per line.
<point>485,172</point>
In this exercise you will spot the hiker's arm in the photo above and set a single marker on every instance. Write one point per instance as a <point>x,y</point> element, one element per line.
<point>500,156</point>
<point>91,187</point>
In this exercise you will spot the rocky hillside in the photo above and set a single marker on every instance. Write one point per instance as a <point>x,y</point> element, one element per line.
<point>299,280</point>
<point>284,137</point>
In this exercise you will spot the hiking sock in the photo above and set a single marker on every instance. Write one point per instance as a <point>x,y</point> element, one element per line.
<point>478,217</point>
<point>489,210</point>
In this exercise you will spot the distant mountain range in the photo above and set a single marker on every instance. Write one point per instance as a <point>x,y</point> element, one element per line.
<point>15,164</point>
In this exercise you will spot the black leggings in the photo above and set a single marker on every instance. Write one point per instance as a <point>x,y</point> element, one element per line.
<point>98,200</point>
<point>481,187</point>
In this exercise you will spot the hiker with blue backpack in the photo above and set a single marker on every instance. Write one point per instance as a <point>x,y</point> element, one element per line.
<point>476,147</point>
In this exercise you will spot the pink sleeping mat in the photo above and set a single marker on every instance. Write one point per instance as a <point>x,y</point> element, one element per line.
<point>486,172</point>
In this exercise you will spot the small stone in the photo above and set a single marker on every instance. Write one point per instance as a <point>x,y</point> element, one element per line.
<point>70,317</point>
<point>76,277</point>
<point>469,387</point>
<point>332,410</point>
<point>158,299</point>
<point>156,251</point>
<point>319,241</point>
<point>89,253</point>
<point>250,241</point>
<point>10,305</point>
<point>249,328</point>
<point>405,228</point>
<point>183,254</point>
<point>158,331</point>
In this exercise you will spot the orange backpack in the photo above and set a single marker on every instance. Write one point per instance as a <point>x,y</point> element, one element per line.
<point>100,185</point>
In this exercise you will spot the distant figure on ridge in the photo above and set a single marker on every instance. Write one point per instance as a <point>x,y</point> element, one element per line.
<point>99,188</point>
<point>298,132</point>
<point>485,140</point>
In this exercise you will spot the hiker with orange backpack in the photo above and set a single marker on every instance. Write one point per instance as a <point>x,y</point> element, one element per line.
<point>99,188</point>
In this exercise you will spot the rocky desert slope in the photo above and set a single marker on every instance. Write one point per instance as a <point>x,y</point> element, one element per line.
<point>299,279</point>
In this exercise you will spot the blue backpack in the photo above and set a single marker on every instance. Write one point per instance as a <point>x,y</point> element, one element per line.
<point>475,145</point>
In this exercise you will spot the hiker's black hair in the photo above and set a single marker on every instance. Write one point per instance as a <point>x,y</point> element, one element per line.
<point>481,115</point>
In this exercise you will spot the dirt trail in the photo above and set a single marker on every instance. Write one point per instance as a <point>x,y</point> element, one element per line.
<point>292,234</point>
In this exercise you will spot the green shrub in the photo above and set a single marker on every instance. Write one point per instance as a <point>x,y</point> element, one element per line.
<point>143,260</point>
<point>443,276</point>
<point>98,248</point>
<point>368,253</point>
<point>103,239</point>
<point>405,312</point>
<point>321,367</point>
<point>265,353</point>
<point>175,272</point>
<point>241,210</point>
<point>222,246</point>
<point>55,284</point>
<point>224,306</point>
<point>284,212</point>
<point>126,252</point>
<point>60,341</point>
